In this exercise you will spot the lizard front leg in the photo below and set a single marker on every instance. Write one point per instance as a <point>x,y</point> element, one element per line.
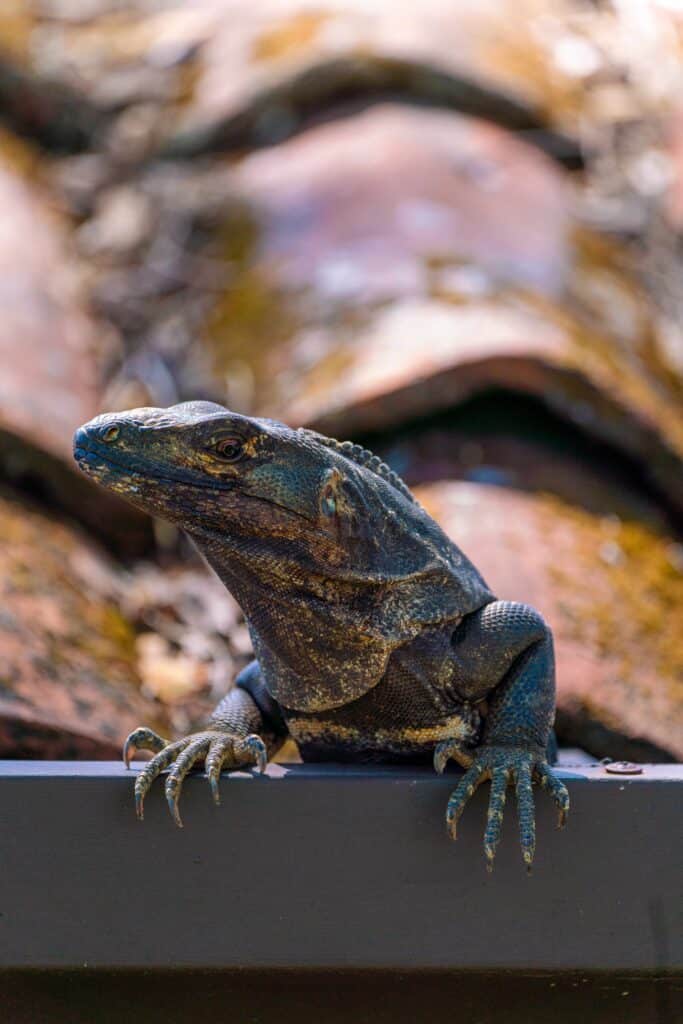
<point>513,641</point>
<point>237,734</point>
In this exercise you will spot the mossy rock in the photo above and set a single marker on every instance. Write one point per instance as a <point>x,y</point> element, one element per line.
<point>53,352</point>
<point>69,685</point>
<point>397,262</point>
<point>612,592</point>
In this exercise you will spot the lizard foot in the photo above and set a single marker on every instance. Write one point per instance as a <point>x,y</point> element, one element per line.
<point>505,766</point>
<point>217,748</point>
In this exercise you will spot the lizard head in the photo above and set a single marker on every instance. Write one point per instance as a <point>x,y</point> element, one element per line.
<point>219,473</point>
<point>202,466</point>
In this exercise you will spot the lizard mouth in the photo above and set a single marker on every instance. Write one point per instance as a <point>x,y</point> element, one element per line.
<point>91,461</point>
<point>122,477</point>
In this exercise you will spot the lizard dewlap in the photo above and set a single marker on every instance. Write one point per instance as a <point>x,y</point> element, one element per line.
<point>375,637</point>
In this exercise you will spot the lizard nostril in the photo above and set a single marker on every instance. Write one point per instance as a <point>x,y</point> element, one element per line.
<point>110,434</point>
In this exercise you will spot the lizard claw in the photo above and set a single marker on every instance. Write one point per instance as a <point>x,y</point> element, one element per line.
<point>219,751</point>
<point>142,739</point>
<point>557,790</point>
<point>505,766</point>
<point>448,750</point>
<point>151,771</point>
<point>196,748</point>
<point>215,747</point>
<point>256,748</point>
<point>456,805</point>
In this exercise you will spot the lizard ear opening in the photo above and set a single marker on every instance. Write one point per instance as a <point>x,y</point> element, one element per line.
<point>342,507</point>
<point>330,494</point>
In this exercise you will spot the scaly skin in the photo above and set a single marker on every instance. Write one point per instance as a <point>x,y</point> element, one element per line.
<point>375,637</point>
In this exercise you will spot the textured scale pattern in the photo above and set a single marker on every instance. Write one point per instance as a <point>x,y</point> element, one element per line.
<point>362,457</point>
<point>376,639</point>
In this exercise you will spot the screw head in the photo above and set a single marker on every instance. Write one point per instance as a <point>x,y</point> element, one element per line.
<point>624,768</point>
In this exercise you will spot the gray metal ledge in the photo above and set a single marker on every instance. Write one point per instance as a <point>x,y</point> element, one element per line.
<point>334,867</point>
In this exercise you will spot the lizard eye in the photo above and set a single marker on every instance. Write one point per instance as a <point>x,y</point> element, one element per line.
<point>229,449</point>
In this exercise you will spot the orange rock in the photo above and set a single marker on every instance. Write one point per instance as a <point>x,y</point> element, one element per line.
<point>674,199</point>
<point>286,60</point>
<point>512,442</point>
<point>367,206</point>
<point>612,592</point>
<point>49,347</point>
<point>69,685</point>
<point>392,264</point>
<point>51,350</point>
<point>351,224</point>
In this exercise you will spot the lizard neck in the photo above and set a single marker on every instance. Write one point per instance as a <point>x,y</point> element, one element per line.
<point>323,633</point>
<point>316,650</point>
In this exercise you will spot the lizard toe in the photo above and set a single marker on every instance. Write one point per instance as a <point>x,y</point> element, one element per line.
<point>494,819</point>
<point>151,771</point>
<point>506,766</point>
<point>142,738</point>
<point>557,790</point>
<point>220,751</point>
<point>252,748</point>
<point>525,812</point>
<point>196,748</point>
<point>233,750</point>
<point>466,787</point>
<point>454,750</point>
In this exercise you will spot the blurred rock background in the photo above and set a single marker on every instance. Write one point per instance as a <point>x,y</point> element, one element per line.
<point>452,231</point>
